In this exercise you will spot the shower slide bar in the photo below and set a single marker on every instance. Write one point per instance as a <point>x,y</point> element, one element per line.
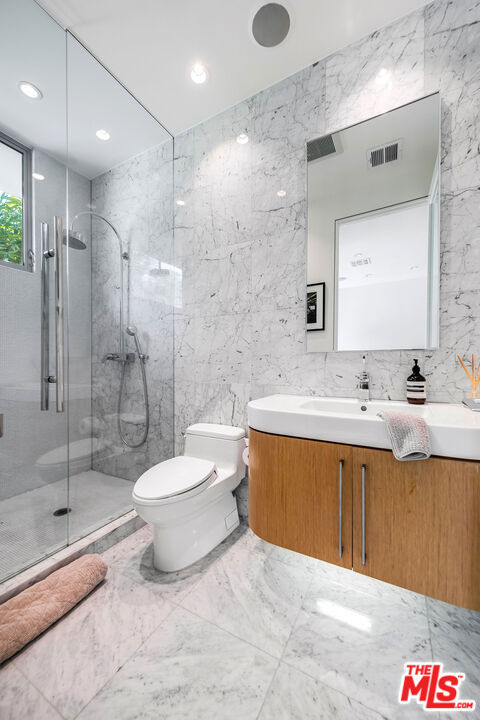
<point>47,254</point>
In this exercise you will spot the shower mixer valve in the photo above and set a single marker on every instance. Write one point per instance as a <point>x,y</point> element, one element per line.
<point>120,357</point>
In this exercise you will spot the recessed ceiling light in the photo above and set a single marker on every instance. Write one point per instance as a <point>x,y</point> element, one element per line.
<point>281,193</point>
<point>180,202</point>
<point>102,135</point>
<point>29,90</point>
<point>38,176</point>
<point>242,139</point>
<point>199,73</point>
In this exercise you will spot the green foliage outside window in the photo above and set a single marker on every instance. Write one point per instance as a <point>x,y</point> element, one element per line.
<point>11,228</point>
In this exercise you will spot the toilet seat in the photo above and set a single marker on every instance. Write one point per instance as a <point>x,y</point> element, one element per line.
<point>174,477</point>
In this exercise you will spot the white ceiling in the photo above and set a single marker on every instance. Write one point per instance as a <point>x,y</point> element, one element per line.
<point>150,45</point>
<point>96,100</point>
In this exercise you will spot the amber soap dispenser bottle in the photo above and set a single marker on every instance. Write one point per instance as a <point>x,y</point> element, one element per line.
<point>416,386</point>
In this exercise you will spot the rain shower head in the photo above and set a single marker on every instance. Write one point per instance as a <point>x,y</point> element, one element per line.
<point>131,330</point>
<point>74,240</point>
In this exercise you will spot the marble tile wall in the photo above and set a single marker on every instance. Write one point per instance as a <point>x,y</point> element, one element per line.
<point>137,198</point>
<point>240,329</point>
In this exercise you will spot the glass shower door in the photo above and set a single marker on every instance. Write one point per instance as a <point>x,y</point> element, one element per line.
<point>121,284</point>
<point>33,158</point>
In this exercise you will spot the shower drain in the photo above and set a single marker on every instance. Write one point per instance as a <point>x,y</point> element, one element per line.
<point>62,511</point>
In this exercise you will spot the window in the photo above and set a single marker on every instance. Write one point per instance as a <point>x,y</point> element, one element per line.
<point>15,204</point>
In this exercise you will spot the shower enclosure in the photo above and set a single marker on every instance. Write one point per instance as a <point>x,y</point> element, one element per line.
<point>86,290</point>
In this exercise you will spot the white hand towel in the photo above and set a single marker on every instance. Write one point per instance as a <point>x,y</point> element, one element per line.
<point>409,435</point>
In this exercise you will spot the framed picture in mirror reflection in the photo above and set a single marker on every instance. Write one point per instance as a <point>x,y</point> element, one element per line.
<point>315,306</point>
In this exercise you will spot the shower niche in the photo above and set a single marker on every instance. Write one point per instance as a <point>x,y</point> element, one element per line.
<point>86,287</point>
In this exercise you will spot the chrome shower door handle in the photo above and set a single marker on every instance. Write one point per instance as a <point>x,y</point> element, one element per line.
<point>364,555</point>
<point>59,312</point>
<point>340,498</point>
<point>45,319</point>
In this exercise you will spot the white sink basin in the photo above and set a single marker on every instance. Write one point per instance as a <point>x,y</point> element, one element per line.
<point>454,429</point>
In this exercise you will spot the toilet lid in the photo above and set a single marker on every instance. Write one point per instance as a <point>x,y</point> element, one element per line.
<point>173,477</point>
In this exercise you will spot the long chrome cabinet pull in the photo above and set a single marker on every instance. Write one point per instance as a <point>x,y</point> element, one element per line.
<point>45,379</point>
<point>364,556</point>
<point>340,498</point>
<point>59,311</point>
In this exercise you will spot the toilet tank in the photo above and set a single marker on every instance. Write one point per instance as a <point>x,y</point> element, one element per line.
<point>222,444</point>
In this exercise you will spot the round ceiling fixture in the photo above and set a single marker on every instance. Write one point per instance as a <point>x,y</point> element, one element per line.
<point>30,90</point>
<point>281,193</point>
<point>38,176</point>
<point>199,74</point>
<point>242,139</point>
<point>271,25</point>
<point>102,135</point>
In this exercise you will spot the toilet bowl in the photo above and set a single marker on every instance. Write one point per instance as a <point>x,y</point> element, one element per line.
<point>189,499</point>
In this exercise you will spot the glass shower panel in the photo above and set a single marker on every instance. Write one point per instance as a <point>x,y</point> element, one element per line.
<point>121,284</point>
<point>33,151</point>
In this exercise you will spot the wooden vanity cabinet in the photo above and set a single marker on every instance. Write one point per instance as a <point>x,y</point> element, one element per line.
<point>421,520</point>
<point>296,490</point>
<point>422,524</point>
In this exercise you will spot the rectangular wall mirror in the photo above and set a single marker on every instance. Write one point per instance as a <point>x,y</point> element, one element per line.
<point>373,233</point>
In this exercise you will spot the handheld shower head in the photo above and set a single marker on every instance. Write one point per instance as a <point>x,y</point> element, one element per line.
<point>132,331</point>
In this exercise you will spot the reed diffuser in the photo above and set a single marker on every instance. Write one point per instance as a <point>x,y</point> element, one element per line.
<point>474,376</point>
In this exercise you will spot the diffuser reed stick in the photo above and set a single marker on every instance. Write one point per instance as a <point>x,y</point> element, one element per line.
<point>474,376</point>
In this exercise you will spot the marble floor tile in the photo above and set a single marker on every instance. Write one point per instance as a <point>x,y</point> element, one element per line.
<point>354,580</point>
<point>357,643</point>
<point>295,696</point>
<point>247,542</point>
<point>72,660</point>
<point>253,597</point>
<point>290,557</point>
<point>129,651</point>
<point>188,669</point>
<point>383,592</point>
<point>20,699</point>
<point>134,558</point>
<point>455,636</point>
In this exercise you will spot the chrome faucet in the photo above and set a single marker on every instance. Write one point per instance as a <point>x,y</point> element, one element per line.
<point>363,384</point>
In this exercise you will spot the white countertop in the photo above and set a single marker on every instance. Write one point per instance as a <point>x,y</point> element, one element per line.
<point>454,429</point>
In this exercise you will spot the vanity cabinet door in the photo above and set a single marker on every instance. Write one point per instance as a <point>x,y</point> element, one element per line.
<point>420,527</point>
<point>295,487</point>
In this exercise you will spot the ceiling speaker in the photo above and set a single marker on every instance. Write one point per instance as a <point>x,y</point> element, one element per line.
<point>270,25</point>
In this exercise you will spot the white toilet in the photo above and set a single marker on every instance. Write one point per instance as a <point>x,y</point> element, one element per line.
<point>189,499</point>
